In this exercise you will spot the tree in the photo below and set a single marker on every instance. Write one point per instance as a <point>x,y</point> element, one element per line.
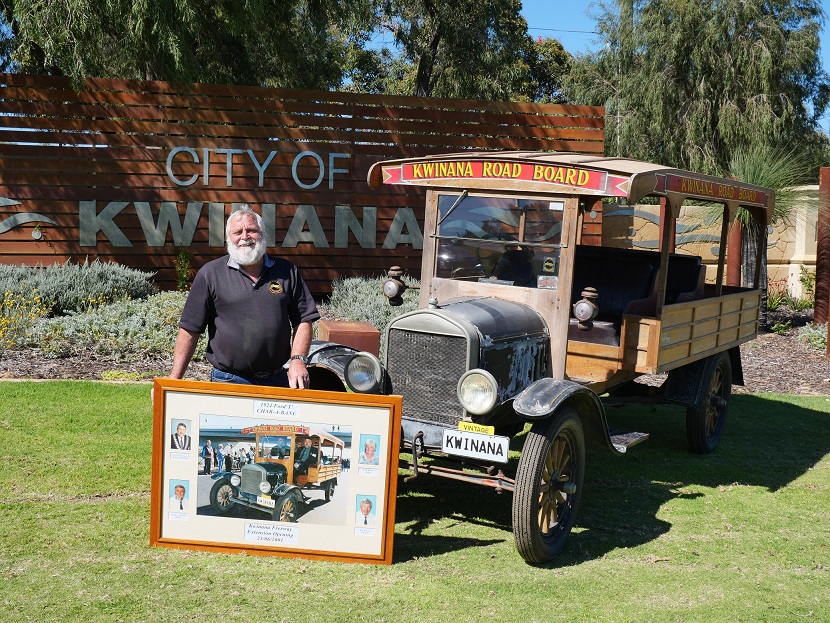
<point>466,49</point>
<point>296,43</point>
<point>549,64</point>
<point>462,47</point>
<point>687,83</point>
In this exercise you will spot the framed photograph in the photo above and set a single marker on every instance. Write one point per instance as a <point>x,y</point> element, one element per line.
<point>272,471</point>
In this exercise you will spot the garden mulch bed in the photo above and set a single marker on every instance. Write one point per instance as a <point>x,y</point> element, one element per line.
<point>771,363</point>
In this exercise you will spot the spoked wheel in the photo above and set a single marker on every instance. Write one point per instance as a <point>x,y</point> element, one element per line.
<point>548,486</point>
<point>705,420</point>
<point>329,487</point>
<point>287,508</point>
<point>221,496</point>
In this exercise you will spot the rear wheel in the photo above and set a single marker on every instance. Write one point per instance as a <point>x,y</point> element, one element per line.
<point>705,420</point>
<point>221,496</point>
<point>329,489</point>
<point>287,507</point>
<point>548,486</point>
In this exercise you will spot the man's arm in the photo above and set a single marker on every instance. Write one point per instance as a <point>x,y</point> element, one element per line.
<point>183,352</point>
<point>297,372</point>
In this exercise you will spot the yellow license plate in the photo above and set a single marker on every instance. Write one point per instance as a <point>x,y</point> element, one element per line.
<point>477,428</point>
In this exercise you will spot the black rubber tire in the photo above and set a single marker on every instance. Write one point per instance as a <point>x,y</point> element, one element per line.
<point>221,496</point>
<point>329,488</point>
<point>705,421</point>
<point>548,486</point>
<point>287,508</point>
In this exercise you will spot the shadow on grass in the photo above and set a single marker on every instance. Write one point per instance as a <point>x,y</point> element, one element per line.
<point>767,443</point>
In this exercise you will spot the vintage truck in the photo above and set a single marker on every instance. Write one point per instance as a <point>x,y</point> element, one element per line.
<point>526,319</point>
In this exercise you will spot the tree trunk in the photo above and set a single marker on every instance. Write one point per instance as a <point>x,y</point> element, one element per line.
<point>426,66</point>
<point>426,63</point>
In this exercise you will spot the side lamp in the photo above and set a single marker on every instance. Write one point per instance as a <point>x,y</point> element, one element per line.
<point>585,310</point>
<point>394,287</point>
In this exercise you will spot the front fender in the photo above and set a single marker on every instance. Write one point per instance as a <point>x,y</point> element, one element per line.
<point>327,364</point>
<point>284,488</point>
<point>280,491</point>
<point>544,397</point>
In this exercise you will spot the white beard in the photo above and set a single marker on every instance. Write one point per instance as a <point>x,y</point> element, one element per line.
<point>247,253</point>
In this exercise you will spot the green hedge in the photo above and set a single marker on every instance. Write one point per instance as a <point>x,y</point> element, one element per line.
<point>65,288</point>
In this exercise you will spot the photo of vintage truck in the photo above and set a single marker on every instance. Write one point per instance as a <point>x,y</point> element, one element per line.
<point>290,461</point>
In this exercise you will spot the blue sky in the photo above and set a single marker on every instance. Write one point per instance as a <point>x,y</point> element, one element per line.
<point>569,21</point>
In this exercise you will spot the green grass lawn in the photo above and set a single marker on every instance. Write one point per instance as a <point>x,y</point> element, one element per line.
<point>661,535</point>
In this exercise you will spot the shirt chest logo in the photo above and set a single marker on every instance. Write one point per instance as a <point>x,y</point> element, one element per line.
<point>275,287</point>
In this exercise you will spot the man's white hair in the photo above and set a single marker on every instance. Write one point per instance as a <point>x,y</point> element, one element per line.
<point>243,210</point>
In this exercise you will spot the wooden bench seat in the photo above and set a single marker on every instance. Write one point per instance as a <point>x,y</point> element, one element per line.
<point>625,281</point>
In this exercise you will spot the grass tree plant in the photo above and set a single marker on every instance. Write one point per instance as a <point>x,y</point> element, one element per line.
<point>783,170</point>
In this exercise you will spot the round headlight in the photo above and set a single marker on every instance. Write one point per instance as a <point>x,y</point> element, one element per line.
<point>363,373</point>
<point>265,486</point>
<point>477,391</point>
<point>236,480</point>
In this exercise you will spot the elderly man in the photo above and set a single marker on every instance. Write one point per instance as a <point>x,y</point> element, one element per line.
<point>306,457</point>
<point>249,303</point>
<point>364,516</point>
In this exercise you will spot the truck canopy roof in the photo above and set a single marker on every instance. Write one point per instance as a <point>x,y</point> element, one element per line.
<point>569,173</point>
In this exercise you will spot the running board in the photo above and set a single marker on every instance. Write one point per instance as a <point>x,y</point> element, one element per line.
<point>623,441</point>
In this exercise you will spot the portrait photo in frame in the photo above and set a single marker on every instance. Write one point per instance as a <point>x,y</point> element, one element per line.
<point>273,471</point>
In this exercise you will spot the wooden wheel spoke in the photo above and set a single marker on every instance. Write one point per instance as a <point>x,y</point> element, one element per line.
<point>711,416</point>
<point>559,449</point>
<point>550,466</point>
<point>717,382</point>
<point>547,511</point>
<point>564,462</point>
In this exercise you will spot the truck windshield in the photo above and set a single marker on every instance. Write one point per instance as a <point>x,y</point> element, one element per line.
<point>503,240</point>
<point>275,447</point>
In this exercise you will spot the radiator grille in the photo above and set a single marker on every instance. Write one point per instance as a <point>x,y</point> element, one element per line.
<point>425,369</point>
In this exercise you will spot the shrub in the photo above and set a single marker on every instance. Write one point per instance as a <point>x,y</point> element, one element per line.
<point>808,282</point>
<point>129,330</point>
<point>782,328</point>
<point>65,288</point>
<point>18,315</point>
<point>776,294</point>
<point>815,336</point>
<point>799,304</point>
<point>361,299</point>
<point>184,269</point>
<point>123,331</point>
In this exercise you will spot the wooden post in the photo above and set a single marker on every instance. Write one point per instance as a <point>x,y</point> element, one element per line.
<point>672,233</point>
<point>734,255</point>
<point>823,251</point>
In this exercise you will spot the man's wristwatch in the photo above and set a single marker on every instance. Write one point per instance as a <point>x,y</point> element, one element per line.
<point>302,358</point>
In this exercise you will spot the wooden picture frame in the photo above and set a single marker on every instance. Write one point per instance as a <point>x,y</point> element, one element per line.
<point>295,480</point>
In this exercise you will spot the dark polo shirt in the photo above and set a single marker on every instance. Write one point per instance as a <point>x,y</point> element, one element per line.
<point>249,325</point>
